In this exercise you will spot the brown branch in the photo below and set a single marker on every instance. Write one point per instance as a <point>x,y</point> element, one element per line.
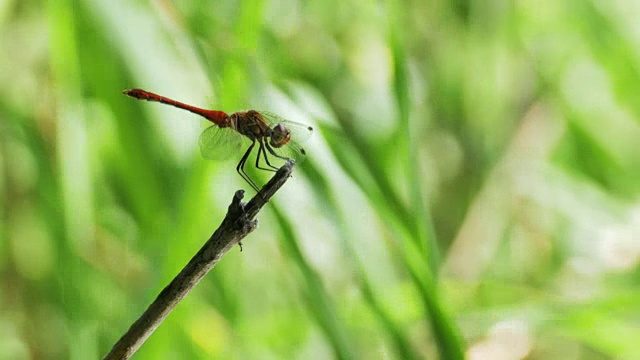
<point>237,224</point>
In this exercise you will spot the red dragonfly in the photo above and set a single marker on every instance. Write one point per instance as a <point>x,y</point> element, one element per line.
<point>274,135</point>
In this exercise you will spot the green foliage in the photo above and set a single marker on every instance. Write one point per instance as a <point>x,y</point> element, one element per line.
<point>471,186</point>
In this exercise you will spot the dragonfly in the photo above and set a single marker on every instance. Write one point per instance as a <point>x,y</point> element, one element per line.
<point>273,135</point>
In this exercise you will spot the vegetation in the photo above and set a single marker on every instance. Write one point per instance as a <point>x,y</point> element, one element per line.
<point>471,188</point>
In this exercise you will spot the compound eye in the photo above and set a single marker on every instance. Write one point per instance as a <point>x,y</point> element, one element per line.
<point>280,135</point>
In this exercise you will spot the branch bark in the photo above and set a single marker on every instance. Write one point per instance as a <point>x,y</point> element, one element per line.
<point>237,224</point>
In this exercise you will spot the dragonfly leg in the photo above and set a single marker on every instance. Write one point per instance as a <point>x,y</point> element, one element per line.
<point>266,159</point>
<point>274,153</point>
<point>240,167</point>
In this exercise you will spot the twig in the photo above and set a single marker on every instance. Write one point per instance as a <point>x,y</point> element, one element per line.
<point>237,224</point>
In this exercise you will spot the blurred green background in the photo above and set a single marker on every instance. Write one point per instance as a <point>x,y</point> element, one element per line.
<point>471,189</point>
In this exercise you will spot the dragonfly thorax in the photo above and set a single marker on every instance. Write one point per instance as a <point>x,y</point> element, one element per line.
<point>249,123</point>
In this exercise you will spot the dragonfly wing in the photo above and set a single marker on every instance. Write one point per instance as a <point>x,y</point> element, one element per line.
<point>292,150</point>
<point>299,131</point>
<point>218,143</point>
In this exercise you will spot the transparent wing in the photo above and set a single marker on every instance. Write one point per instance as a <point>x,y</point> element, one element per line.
<point>299,132</point>
<point>218,143</point>
<point>292,150</point>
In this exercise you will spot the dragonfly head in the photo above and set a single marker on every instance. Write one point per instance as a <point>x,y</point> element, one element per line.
<point>280,135</point>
